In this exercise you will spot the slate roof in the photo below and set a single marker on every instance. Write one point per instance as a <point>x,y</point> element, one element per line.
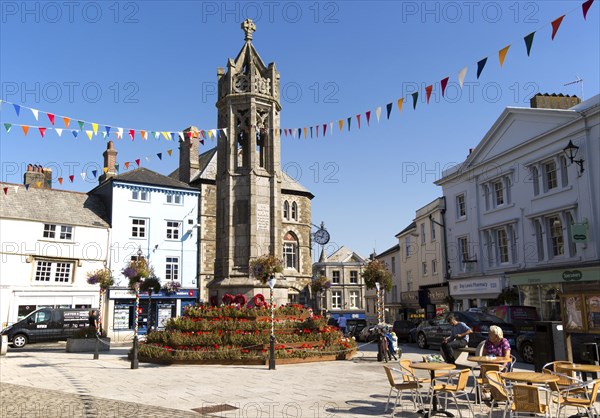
<point>52,206</point>
<point>145,176</point>
<point>413,225</point>
<point>344,255</point>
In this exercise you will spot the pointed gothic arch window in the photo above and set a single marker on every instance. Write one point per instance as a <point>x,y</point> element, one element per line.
<point>294,211</point>
<point>290,251</point>
<point>286,210</point>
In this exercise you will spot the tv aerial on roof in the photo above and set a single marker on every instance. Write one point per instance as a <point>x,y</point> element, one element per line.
<point>578,80</point>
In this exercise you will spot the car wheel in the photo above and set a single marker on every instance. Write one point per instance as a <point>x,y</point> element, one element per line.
<point>19,341</point>
<point>422,341</point>
<point>528,352</point>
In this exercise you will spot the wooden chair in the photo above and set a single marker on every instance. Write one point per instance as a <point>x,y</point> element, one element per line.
<point>453,383</point>
<point>527,399</point>
<point>408,383</point>
<point>406,366</point>
<point>481,381</point>
<point>579,396</point>
<point>499,391</point>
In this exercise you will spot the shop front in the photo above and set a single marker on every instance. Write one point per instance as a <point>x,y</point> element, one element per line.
<point>542,288</point>
<point>154,312</point>
<point>22,302</point>
<point>475,292</point>
<point>411,310</point>
<point>435,299</point>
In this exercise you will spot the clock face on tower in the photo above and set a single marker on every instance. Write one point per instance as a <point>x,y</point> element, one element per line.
<point>322,236</point>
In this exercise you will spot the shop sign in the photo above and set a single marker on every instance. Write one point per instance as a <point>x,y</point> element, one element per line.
<point>555,276</point>
<point>579,233</point>
<point>438,295</point>
<point>567,276</point>
<point>475,286</point>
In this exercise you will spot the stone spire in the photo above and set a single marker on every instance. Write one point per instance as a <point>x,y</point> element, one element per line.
<point>249,28</point>
<point>323,257</point>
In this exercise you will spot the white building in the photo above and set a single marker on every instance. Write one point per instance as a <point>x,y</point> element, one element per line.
<point>156,217</point>
<point>519,212</point>
<point>50,240</point>
<point>391,300</point>
<point>346,297</point>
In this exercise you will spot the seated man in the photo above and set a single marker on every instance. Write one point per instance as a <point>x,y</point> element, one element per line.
<point>459,337</point>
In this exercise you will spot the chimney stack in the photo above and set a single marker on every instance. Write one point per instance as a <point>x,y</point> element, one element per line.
<point>553,101</point>
<point>189,150</point>
<point>37,174</point>
<point>110,162</point>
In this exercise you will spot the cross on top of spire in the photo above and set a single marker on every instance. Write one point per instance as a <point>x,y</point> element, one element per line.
<point>249,28</point>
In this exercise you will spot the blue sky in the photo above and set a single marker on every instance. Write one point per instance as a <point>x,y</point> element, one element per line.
<point>152,65</point>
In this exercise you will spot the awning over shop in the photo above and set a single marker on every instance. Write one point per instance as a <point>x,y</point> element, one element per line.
<point>573,275</point>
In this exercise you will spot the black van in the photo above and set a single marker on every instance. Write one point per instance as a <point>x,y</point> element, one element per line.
<point>46,324</point>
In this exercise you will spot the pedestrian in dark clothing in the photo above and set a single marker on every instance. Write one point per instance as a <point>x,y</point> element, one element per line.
<point>459,338</point>
<point>93,319</point>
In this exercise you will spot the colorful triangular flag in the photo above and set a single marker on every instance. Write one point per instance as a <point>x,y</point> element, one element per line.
<point>42,131</point>
<point>461,76</point>
<point>66,121</point>
<point>7,126</point>
<point>529,41</point>
<point>400,104</point>
<point>585,7</point>
<point>388,107</point>
<point>480,66</point>
<point>25,129</point>
<point>95,128</point>
<point>415,97</point>
<point>58,131</point>
<point>17,108</point>
<point>35,113</point>
<point>556,24</point>
<point>502,54</point>
<point>444,83</point>
<point>428,90</point>
<point>51,118</point>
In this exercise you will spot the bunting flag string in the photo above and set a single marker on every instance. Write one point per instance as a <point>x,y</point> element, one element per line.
<point>291,132</point>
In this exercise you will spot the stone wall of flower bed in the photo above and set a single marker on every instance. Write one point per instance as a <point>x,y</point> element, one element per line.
<point>233,334</point>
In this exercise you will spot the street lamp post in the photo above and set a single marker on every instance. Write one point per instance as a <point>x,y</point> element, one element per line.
<point>272,281</point>
<point>378,302</point>
<point>134,354</point>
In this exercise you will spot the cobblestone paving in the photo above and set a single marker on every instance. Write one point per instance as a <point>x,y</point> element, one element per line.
<point>27,402</point>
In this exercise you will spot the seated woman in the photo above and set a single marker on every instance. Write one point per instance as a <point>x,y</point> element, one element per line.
<point>497,345</point>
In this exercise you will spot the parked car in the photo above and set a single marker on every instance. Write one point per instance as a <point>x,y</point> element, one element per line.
<point>354,327</point>
<point>523,318</point>
<point>367,334</point>
<point>402,329</point>
<point>46,324</point>
<point>432,332</point>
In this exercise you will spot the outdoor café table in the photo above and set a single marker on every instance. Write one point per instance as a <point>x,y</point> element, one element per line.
<point>433,367</point>
<point>581,368</point>
<point>488,360</point>
<point>530,377</point>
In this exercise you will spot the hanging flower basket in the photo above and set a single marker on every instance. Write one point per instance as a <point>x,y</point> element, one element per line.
<point>377,272</point>
<point>171,287</point>
<point>101,277</point>
<point>136,271</point>
<point>319,284</point>
<point>150,285</point>
<point>265,266</point>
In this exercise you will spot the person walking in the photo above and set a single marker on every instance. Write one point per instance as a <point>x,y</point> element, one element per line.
<point>459,338</point>
<point>342,324</point>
